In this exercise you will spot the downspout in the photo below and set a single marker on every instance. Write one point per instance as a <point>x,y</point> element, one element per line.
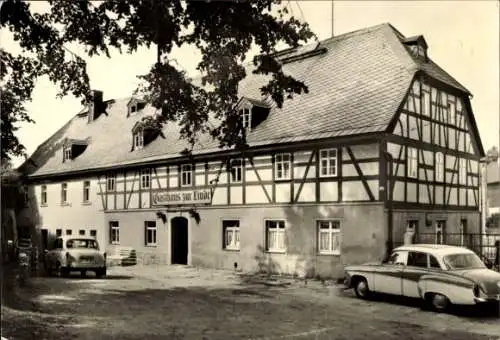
<point>388,201</point>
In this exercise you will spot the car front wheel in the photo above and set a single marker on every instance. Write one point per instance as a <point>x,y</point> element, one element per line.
<point>439,302</point>
<point>361,288</point>
<point>101,272</point>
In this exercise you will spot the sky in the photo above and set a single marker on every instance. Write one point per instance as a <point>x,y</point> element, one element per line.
<point>463,38</point>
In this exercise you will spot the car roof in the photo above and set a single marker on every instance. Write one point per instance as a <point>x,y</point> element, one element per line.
<point>436,249</point>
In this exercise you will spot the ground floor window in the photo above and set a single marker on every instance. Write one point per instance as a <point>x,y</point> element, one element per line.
<point>81,232</point>
<point>329,237</point>
<point>69,232</point>
<point>93,232</point>
<point>58,232</point>
<point>114,232</point>
<point>150,233</point>
<point>440,232</point>
<point>231,234</point>
<point>275,236</point>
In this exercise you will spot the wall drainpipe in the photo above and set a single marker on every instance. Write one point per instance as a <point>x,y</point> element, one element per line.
<point>388,202</point>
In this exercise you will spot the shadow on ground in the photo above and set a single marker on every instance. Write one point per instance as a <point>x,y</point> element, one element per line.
<point>491,311</point>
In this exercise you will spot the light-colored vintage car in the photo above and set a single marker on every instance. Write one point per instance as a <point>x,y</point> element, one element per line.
<point>439,274</point>
<point>75,253</point>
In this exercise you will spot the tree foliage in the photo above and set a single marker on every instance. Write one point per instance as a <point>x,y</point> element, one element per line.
<point>223,31</point>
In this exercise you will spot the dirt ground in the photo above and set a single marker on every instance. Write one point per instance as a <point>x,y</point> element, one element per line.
<point>171,302</point>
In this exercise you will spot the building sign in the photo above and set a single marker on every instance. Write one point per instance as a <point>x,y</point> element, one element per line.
<point>182,197</point>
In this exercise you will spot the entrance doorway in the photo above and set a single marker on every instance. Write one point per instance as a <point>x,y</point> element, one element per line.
<point>179,240</point>
<point>45,239</point>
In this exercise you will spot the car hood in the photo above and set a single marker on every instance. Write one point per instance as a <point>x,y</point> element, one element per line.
<point>488,278</point>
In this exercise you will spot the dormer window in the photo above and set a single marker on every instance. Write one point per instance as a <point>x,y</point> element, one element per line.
<point>145,131</point>
<point>73,148</point>
<point>252,112</point>
<point>138,139</point>
<point>135,105</point>
<point>417,46</point>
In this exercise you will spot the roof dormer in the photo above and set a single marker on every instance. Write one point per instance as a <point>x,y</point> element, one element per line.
<point>252,111</point>
<point>144,132</point>
<point>73,148</point>
<point>417,45</point>
<point>135,105</point>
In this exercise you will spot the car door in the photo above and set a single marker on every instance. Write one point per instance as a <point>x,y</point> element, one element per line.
<point>387,278</point>
<point>417,265</point>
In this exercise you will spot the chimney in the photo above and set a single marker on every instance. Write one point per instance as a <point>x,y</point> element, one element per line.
<point>95,105</point>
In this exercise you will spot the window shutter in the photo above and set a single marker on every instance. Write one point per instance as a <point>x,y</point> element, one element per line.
<point>145,233</point>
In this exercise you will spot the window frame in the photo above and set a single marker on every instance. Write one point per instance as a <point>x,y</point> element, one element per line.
<point>86,191</point>
<point>232,226</point>
<point>439,167</point>
<point>69,232</point>
<point>138,139</point>
<point>64,193</point>
<point>412,163</point>
<point>93,233</point>
<point>59,232</point>
<point>329,159</point>
<point>43,195</point>
<point>67,156</point>
<point>246,117</point>
<point>114,232</point>
<point>111,179</point>
<point>148,227</point>
<point>279,160</point>
<point>145,174</point>
<point>185,174</point>
<point>81,232</point>
<point>330,231</point>
<point>279,231</point>
<point>235,170</point>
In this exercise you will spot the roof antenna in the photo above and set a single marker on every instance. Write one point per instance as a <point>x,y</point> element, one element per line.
<point>333,31</point>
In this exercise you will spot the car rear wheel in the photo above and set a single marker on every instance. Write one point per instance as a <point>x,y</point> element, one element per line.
<point>361,288</point>
<point>439,302</point>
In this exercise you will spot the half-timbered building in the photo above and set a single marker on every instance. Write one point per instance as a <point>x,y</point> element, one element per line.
<point>384,142</point>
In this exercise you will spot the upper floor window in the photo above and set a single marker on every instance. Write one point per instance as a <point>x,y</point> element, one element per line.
<point>67,153</point>
<point>145,178</point>
<point>236,171</point>
<point>186,175</point>
<point>86,191</point>
<point>439,166</point>
<point>329,237</point>
<point>110,182</point>
<point>426,103</point>
<point>43,198</point>
<point>451,113</point>
<point>463,171</point>
<point>138,139</point>
<point>64,193</point>
<point>412,163</point>
<point>328,162</point>
<point>282,166</point>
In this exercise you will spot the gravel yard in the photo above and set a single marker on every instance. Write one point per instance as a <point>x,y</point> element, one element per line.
<point>175,302</point>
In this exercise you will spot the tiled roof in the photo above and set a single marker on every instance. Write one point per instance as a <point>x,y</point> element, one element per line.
<point>355,87</point>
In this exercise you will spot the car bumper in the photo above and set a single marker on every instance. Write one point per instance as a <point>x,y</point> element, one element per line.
<point>84,265</point>
<point>488,299</point>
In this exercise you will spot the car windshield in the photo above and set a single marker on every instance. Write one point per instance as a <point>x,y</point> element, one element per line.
<point>81,243</point>
<point>463,261</point>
